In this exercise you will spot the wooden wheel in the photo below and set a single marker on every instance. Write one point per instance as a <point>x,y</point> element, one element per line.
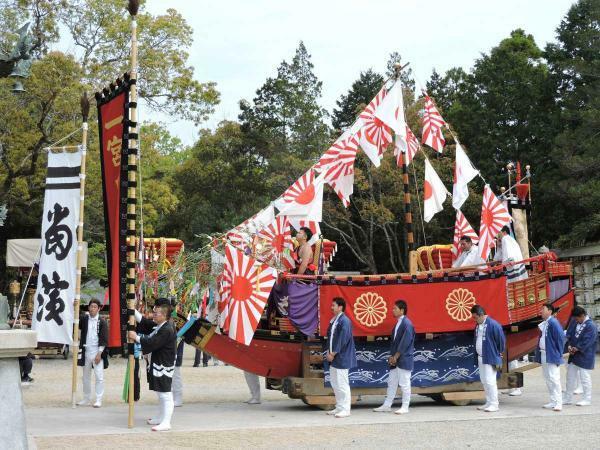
<point>324,402</point>
<point>459,402</point>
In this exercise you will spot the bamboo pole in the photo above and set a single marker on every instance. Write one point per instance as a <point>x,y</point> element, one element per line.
<point>85,109</point>
<point>131,198</point>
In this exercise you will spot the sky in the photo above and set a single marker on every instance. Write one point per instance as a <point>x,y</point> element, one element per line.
<point>238,44</point>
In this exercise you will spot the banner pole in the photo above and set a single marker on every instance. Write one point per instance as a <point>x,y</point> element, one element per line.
<point>85,109</point>
<point>131,199</point>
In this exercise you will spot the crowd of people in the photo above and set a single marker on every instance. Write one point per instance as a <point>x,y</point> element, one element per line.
<point>579,340</point>
<point>157,338</point>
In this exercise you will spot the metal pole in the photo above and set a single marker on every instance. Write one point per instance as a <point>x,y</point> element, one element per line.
<point>85,109</point>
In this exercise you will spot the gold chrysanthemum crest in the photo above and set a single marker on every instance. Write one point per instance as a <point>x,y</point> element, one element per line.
<point>459,303</point>
<point>370,309</point>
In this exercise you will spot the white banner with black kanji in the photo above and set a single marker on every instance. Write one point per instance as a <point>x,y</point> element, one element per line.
<point>53,303</point>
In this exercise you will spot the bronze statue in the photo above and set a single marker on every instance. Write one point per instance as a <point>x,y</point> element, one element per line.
<point>17,64</point>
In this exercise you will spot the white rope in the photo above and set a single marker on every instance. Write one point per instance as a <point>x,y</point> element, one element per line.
<point>419,203</point>
<point>63,138</point>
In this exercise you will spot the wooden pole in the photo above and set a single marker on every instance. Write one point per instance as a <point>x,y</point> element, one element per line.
<point>131,199</point>
<point>85,109</point>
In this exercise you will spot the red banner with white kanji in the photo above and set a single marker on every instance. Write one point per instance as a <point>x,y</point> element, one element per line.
<point>432,307</point>
<point>112,114</point>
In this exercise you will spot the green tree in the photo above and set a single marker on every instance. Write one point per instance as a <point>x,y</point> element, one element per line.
<point>372,228</point>
<point>575,66</point>
<point>29,122</point>
<point>504,110</point>
<point>285,123</point>
<point>101,30</point>
<point>350,105</point>
<point>49,109</point>
<point>221,184</point>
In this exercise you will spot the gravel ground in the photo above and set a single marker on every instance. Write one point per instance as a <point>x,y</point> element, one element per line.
<point>214,417</point>
<point>574,431</point>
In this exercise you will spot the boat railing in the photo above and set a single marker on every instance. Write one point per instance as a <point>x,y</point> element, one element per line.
<point>525,297</point>
<point>540,263</point>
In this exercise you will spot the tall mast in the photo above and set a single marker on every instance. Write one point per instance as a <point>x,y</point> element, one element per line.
<point>410,239</point>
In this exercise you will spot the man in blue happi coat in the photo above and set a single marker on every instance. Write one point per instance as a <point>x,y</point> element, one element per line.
<point>490,343</point>
<point>341,356</point>
<point>549,355</point>
<point>581,344</point>
<point>402,349</point>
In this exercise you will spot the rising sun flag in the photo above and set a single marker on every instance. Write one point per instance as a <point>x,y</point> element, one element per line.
<point>246,287</point>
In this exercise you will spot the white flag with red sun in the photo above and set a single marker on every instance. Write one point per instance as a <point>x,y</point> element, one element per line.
<point>304,197</point>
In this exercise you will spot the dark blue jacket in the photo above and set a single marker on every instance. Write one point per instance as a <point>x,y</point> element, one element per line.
<point>404,344</point>
<point>585,343</point>
<point>555,343</point>
<point>342,344</point>
<point>493,342</point>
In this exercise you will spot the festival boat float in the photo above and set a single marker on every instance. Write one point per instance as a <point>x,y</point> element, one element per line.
<point>287,349</point>
<point>273,323</point>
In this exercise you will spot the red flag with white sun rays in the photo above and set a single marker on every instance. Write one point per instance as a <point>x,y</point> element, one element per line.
<point>246,287</point>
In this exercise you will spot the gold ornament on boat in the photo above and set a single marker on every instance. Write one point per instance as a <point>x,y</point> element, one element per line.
<point>459,303</point>
<point>370,309</point>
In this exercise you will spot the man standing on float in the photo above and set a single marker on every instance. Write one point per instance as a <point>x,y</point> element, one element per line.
<point>341,357</point>
<point>401,363</point>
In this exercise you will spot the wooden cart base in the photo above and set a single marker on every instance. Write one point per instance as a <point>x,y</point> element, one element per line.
<point>311,388</point>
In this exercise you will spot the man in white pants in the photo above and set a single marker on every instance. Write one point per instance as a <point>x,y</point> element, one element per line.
<point>253,383</point>
<point>549,355</point>
<point>177,384</point>
<point>401,361</point>
<point>160,342</point>
<point>94,338</point>
<point>581,341</point>
<point>490,343</point>
<point>341,357</point>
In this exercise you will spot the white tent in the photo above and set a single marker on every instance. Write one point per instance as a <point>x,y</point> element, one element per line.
<point>25,252</point>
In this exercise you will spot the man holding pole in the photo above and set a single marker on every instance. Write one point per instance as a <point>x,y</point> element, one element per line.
<point>159,341</point>
<point>92,355</point>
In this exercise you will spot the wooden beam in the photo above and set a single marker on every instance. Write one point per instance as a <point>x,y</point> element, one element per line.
<point>465,395</point>
<point>325,399</point>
